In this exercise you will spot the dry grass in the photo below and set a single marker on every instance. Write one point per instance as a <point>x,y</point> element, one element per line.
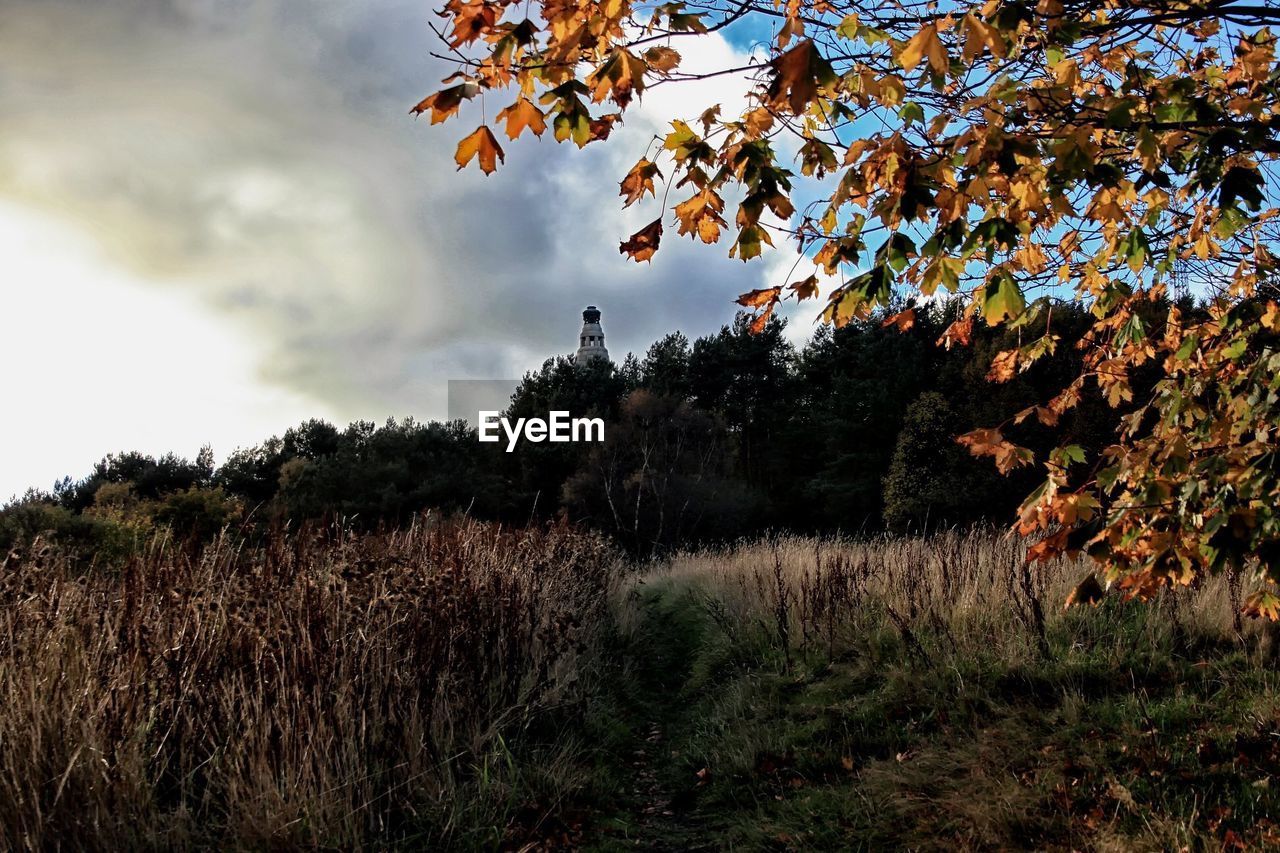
<point>933,694</point>
<point>323,690</point>
<point>966,589</point>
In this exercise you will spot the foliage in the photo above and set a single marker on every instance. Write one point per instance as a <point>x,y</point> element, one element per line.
<point>1019,154</point>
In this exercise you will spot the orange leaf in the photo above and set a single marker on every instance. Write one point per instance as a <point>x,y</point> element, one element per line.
<point>446,102</point>
<point>758,324</point>
<point>960,332</point>
<point>700,214</point>
<point>523,114</point>
<point>757,122</point>
<point>759,298</point>
<point>480,144</point>
<point>1263,604</point>
<point>601,127</point>
<point>902,321</point>
<point>644,242</point>
<point>1048,547</point>
<point>1003,366</point>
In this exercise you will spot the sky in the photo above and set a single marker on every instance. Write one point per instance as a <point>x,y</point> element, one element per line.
<point>219,219</point>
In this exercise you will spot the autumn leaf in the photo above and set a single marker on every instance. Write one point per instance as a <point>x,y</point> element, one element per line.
<point>806,288</point>
<point>520,115</point>
<point>902,321</point>
<point>639,181</point>
<point>446,102</point>
<point>750,242</point>
<point>1264,604</point>
<point>990,442</point>
<point>601,126</point>
<point>925,45</point>
<point>700,215</point>
<point>481,145</point>
<point>959,332</point>
<point>762,319</point>
<point>759,298</point>
<point>797,76</point>
<point>1003,366</point>
<point>757,122</point>
<point>1002,299</point>
<point>661,59</point>
<point>642,244</point>
<point>617,77</point>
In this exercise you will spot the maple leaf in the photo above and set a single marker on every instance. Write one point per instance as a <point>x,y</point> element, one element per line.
<point>446,102</point>
<point>700,215</point>
<point>762,319</point>
<point>621,74</point>
<point>483,146</point>
<point>602,126</point>
<point>661,59</point>
<point>925,44</point>
<point>642,244</point>
<point>520,115</point>
<point>639,181</point>
<point>1003,366</point>
<point>759,298</point>
<point>1002,298</point>
<point>471,20</point>
<point>1263,603</point>
<point>806,288</point>
<point>990,442</point>
<point>902,321</point>
<point>757,122</point>
<point>750,242</point>
<point>797,76</point>
<point>959,332</point>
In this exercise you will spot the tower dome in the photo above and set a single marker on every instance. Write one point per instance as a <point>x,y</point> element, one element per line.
<point>591,339</point>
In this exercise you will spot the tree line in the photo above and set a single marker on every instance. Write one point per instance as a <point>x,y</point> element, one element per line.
<point>706,440</point>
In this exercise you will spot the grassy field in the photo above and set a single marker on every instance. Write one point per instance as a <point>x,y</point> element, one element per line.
<point>459,685</point>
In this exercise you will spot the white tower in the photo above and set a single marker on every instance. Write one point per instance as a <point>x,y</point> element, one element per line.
<point>591,338</point>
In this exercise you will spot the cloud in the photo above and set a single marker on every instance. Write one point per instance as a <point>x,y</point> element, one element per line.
<point>258,155</point>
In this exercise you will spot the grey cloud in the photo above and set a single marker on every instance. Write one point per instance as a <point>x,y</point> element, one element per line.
<point>260,153</point>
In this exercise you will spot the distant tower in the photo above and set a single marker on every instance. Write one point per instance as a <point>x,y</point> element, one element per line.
<point>591,338</point>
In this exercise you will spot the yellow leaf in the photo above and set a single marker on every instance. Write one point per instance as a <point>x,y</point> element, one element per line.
<point>520,115</point>
<point>925,45</point>
<point>638,181</point>
<point>661,59</point>
<point>481,145</point>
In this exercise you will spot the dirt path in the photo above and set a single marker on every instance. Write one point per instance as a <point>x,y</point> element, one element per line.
<point>660,805</point>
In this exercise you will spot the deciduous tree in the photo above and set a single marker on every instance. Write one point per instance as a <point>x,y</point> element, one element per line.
<point>1018,153</point>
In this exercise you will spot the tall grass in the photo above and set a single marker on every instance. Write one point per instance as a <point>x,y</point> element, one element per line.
<point>934,694</point>
<point>322,690</point>
<point>953,592</point>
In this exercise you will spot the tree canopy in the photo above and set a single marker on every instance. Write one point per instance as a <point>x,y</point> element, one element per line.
<point>1019,154</point>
